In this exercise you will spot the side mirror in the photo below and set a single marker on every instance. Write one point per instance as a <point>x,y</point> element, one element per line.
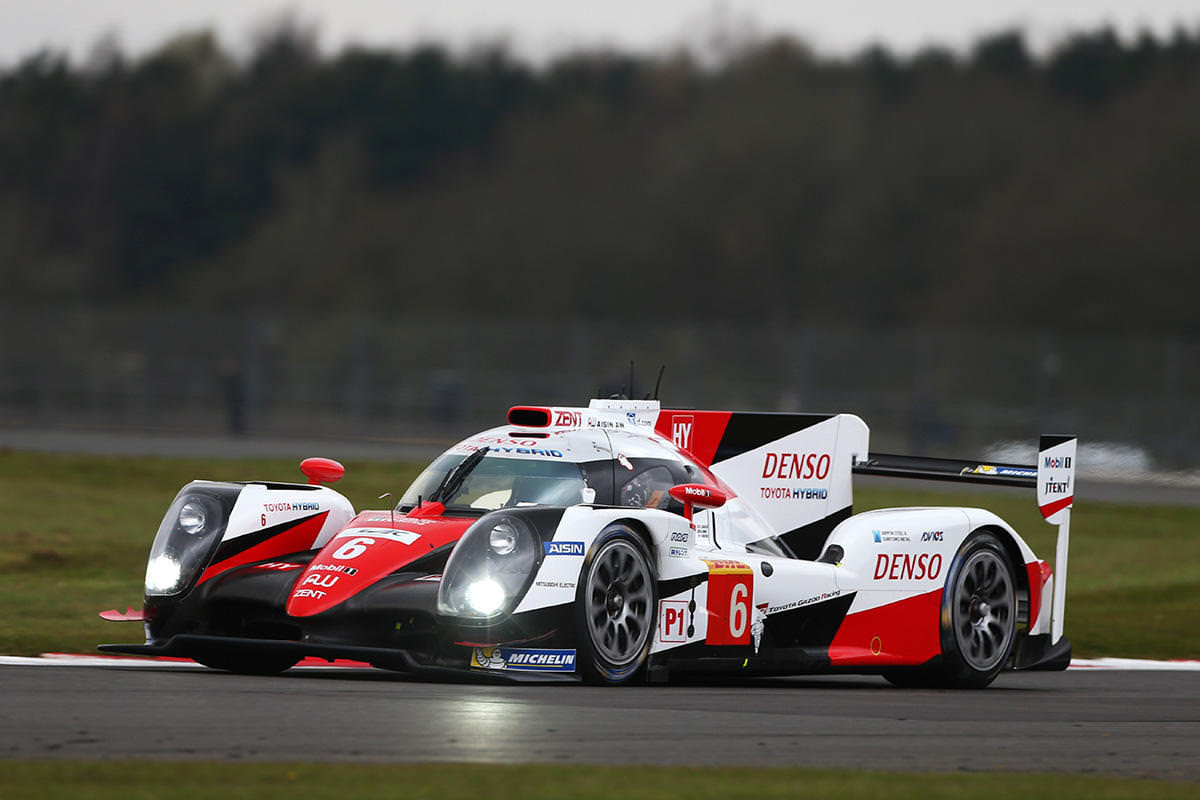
<point>322,470</point>
<point>697,494</point>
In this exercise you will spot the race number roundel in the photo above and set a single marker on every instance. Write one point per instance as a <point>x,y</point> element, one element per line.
<point>730,597</point>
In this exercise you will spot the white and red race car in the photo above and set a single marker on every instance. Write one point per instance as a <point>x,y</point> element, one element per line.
<point>616,541</point>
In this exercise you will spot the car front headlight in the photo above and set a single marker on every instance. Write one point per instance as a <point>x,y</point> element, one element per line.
<point>490,567</point>
<point>190,531</point>
<point>503,537</point>
<point>193,517</point>
<point>162,575</point>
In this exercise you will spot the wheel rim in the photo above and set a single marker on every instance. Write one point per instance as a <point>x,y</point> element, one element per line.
<point>984,610</point>
<point>619,603</point>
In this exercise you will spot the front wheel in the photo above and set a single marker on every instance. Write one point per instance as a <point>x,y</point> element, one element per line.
<point>615,607</point>
<point>979,614</point>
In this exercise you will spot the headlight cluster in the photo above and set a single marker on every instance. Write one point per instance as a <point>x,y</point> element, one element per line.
<point>490,567</point>
<point>189,531</point>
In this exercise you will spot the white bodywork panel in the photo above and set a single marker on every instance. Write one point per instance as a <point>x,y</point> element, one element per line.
<point>259,506</point>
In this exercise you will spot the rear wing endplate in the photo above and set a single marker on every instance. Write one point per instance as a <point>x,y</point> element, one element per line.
<point>1053,476</point>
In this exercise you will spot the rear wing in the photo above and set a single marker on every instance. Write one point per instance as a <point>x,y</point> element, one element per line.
<point>947,469</point>
<point>1053,476</point>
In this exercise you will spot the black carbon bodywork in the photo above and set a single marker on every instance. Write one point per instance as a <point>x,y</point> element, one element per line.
<point>393,623</point>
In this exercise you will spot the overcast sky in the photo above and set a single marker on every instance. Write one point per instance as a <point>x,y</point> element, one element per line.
<point>538,29</point>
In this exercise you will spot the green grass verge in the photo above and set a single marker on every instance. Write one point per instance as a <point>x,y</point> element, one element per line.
<point>133,780</point>
<point>75,531</point>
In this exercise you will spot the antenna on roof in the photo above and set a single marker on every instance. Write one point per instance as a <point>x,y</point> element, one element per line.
<point>658,382</point>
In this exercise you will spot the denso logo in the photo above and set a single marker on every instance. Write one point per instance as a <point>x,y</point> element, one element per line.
<point>797,466</point>
<point>907,566</point>
<point>564,548</point>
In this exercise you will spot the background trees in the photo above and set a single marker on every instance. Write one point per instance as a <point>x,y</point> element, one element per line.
<point>778,185</point>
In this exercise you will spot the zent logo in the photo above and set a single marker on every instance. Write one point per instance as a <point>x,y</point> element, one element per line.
<point>681,430</point>
<point>564,548</point>
<point>568,419</point>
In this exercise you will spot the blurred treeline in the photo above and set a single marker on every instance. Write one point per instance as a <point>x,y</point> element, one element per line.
<point>1060,191</point>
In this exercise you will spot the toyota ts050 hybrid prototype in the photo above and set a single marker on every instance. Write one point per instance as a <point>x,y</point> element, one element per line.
<point>612,542</point>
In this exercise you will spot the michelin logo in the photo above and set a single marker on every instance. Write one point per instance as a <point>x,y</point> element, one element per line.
<point>564,548</point>
<point>523,659</point>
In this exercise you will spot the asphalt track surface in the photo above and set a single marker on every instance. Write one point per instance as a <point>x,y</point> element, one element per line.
<point>1079,721</point>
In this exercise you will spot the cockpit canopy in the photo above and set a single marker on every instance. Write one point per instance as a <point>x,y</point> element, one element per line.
<point>565,468</point>
<point>500,482</point>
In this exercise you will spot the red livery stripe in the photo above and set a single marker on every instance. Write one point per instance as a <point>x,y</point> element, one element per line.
<point>293,540</point>
<point>901,633</point>
<point>1050,509</point>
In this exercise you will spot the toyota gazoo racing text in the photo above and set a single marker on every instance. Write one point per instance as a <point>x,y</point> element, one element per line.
<point>614,542</point>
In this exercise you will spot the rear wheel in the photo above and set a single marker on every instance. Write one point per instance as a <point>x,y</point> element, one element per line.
<point>615,607</point>
<point>979,614</point>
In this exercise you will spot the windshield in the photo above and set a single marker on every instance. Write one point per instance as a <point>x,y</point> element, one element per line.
<point>498,482</point>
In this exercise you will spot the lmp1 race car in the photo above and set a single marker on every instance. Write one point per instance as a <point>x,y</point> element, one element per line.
<point>614,542</point>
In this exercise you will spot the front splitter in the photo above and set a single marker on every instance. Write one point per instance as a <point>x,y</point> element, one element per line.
<point>187,645</point>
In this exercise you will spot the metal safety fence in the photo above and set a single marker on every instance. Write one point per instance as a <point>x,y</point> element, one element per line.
<point>934,391</point>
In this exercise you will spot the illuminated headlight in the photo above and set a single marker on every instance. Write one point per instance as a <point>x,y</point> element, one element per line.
<point>188,535</point>
<point>162,575</point>
<point>485,597</point>
<point>503,538</point>
<point>192,517</point>
<point>491,566</point>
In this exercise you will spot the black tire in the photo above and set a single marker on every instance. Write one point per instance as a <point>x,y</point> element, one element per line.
<point>246,663</point>
<point>979,614</point>
<point>616,607</point>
